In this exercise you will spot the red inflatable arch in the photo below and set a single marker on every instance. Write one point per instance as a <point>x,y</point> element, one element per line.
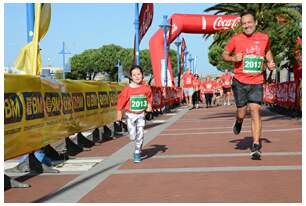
<point>187,23</point>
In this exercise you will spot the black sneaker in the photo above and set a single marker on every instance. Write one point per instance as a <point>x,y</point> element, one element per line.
<point>255,151</point>
<point>237,127</point>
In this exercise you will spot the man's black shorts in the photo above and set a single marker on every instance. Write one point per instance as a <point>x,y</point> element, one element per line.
<point>247,93</point>
<point>226,90</point>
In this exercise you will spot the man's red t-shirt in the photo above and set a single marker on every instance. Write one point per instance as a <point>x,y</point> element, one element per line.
<point>208,87</point>
<point>218,86</point>
<point>253,48</point>
<point>226,80</point>
<point>187,80</point>
<point>136,98</point>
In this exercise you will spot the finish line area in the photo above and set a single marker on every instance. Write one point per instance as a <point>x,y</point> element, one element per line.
<point>188,156</point>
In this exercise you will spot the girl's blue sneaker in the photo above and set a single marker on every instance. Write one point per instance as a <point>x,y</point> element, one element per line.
<point>137,158</point>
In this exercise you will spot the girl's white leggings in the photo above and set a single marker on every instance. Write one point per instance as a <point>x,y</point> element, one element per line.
<point>136,123</point>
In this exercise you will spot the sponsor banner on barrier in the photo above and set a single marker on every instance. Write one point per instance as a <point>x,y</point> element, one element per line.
<point>282,94</point>
<point>269,93</point>
<point>285,94</point>
<point>292,94</point>
<point>37,114</point>
<point>40,112</point>
<point>299,95</point>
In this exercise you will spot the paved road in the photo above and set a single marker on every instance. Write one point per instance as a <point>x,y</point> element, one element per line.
<point>189,156</point>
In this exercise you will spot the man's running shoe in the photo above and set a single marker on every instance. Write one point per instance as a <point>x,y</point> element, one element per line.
<point>255,152</point>
<point>137,158</point>
<point>237,127</point>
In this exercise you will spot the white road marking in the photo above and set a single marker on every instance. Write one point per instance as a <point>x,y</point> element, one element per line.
<point>229,132</point>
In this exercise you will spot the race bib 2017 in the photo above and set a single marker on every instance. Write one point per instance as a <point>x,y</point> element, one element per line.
<point>138,103</point>
<point>252,64</point>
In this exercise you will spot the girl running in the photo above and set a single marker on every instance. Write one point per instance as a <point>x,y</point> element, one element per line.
<point>136,99</point>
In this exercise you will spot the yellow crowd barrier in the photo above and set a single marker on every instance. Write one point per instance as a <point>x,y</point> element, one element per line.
<point>37,113</point>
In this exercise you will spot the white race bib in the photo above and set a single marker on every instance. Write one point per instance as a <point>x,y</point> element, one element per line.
<point>188,80</point>
<point>252,64</point>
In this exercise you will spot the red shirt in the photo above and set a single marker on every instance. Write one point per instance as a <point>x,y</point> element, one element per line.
<point>187,80</point>
<point>226,80</point>
<point>218,86</point>
<point>250,46</point>
<point>196,84</point>
<point>208,87</point>
<point>129,93</point>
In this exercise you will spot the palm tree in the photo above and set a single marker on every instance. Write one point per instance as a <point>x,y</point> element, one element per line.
<point>268,17</point>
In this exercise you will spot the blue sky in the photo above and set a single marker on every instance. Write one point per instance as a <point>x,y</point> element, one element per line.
<point>84,26</point>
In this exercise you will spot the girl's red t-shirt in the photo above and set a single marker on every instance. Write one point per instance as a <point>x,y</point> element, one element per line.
<point>135,100</point>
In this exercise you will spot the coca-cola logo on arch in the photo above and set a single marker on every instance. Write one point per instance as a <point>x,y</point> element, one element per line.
<point>223,23</point>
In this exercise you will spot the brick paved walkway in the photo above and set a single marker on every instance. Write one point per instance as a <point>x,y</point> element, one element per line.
<point>189,156</point>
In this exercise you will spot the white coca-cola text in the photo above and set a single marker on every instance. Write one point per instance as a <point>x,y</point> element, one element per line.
<point>221,23</point>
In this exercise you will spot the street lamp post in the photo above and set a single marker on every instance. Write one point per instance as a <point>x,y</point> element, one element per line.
<point>137,33</point>
<point>186,54</point>
<point>195,65</point>
<point>178,43</point>
<point>63,52</point>
<point>165,26</point>
<point>190,62</point>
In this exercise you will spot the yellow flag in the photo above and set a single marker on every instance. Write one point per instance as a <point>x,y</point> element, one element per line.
<point>29,59</point>
<point>45,18</point>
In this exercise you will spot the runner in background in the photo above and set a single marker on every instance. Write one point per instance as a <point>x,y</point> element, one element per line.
<point>136,99</point>
<point>208,90</point>
<point>248,50</point>
<point>218,92</point>
<point>196,94</point>
<point>227,87</point>
<point>187,78</point>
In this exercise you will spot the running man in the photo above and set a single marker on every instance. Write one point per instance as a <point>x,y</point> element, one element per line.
<point>196,89</point>
<point>188,86</point>
<point>218,92</point>
<point>250,49</point>
<point>208,89</point>
<point>227,86</point>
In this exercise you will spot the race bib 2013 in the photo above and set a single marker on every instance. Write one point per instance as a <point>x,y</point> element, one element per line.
<point>138,103</point>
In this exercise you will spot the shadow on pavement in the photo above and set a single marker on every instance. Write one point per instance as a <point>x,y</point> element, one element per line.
<point>150,152</point>
<point>150,125</point>
<point>269,115</point>
<point>71,186</point>
<point>220,115</point>
<point>246,142</point>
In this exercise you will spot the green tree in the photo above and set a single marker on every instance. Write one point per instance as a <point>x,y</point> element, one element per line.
<point>173,58</point>
<point>126,57</point>
<point>82,65</point>
<point>108,57</point>
<point>92,61</point>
